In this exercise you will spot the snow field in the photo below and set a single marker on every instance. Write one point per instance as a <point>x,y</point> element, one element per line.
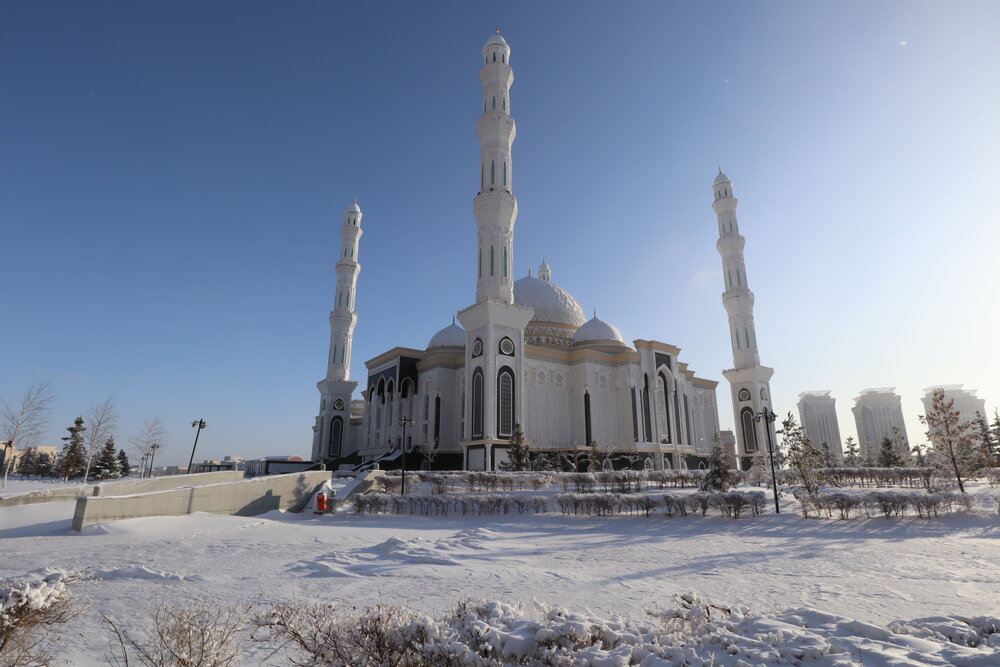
<point>866,573</point>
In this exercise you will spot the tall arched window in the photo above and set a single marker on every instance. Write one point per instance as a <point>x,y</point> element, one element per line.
<point>677,414</point>
<point>505,261</point>
<point>505,402</point>
<point>646,425</point>
<point>586,419</point>
<point>492,260</point>
<point>635,419</point>
<point>666,405</point>
<point>477,403</point>
<point>749,432</point>
<point>505,174</point>
<point>336,435</point>
<point>494,102</point>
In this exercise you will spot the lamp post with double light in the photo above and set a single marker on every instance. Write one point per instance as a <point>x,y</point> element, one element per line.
<point>198,424</point>
<point>768,416</point>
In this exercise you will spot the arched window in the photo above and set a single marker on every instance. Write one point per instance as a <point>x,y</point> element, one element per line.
<point>666,404</point>
<point>586,419</point>
<point>503,103</point>
<point>493,172</point>
<point>503,57</point>
<point>647,464</point>
<point>492,260</point>
<point>646,421</point>
<point>677,413</point>
<point>505,402</point>
<point>739,278</point>
<point>635,419</point>
<point>437,417</point>
<point>494,56</point>
<point>336,435</point>
<point>505,261</point>
<point>687,421</point>
<point>477,403</point>
<point>494,102</point>
<point>749,433</point>
<point>505,174</point>
<point>480,263</point>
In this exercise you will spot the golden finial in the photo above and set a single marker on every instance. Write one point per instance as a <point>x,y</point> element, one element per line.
<point>498,31</point>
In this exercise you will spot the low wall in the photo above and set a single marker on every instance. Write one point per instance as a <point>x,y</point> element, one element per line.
<point>120,487</point>
<point>241,498</point>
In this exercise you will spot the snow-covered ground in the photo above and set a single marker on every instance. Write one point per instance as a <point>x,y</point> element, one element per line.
<point>16,486</point>
<point>872,570</point>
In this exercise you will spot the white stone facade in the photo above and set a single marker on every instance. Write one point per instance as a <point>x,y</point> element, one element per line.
<point>877,412</point>
<point>818,414</point>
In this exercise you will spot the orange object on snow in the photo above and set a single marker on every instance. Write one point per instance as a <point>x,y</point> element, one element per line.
<point>321,502</point>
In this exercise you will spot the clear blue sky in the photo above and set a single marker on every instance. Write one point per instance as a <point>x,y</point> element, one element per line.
<point>173,177</point>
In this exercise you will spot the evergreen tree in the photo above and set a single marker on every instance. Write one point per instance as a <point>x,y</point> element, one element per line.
<point>900,446</point>
<point>758,468</point>
<point>719,477</point>
<point>918,456</point>
<point>73,460</point>
<point>995,432</point>
<point>800,455</point>
<point>987,447</point>
<point>106,464</point>
<point>853,456</point>
<point>518,456</point>
<point>27,463</point>
<point>887,457</point>
<point>953,441</point>
<point>827,455</point>
<point>46,466</point>
<point>124,467</point>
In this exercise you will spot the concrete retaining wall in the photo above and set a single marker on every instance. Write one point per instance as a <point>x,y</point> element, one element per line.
<point>120,487</point>
<point>241,498</point>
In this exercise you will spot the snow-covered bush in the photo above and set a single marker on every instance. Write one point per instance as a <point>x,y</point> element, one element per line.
<point>887,503</point>
<point>28,612</point>
<point>992,476</point>
<point>871,476</point>
<point>207,635</point>
<point>735,504</point>
<point>693,631</point>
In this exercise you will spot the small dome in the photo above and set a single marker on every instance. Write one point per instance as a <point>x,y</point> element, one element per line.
<point>551,302</point>
<point>595,330</point>
<point>451,336</point>
<point>721,178</point>
<point>353,208</point>
<point>496,39</point>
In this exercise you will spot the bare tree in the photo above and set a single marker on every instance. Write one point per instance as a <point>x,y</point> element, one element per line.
<point>148,440</point>
<point>23,426</point>
<point>103,419</point>
<point>429,448</point>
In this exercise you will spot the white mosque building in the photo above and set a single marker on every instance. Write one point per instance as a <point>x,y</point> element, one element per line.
<point>526,354</point>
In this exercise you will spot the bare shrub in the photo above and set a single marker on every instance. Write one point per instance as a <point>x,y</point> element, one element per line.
<point>28,612</point>
<point>207,635</point>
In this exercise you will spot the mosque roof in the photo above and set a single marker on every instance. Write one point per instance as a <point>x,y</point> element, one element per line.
<point>551,302</point>
<point>497,39</point>
<point>721,178</point>
<point>596,329</point>
<point>452,335</point>
<point>353,208</point>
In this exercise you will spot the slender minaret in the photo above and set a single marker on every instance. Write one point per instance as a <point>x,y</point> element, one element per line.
<point>748,379</point>
<point>494,325</point>
<point>343,318</point>
<point>330,433</point>
<point>495,206</point>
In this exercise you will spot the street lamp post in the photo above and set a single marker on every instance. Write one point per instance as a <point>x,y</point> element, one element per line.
<point>152,455</point>
<point>403,421</point>
<point>768,416</point>
<point>199,424</point>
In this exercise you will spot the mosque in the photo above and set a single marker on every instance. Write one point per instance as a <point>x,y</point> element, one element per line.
<point>525,354</point>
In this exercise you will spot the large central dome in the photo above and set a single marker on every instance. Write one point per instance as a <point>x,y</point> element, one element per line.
<point>551,302</point>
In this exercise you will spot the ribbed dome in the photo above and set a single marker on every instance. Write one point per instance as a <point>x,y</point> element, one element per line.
<point>721,178</point>
<point>597,329</point>
<point>353,208</point>
<point>551,302</point>
<point>496,39</point>
<point>452,335</point>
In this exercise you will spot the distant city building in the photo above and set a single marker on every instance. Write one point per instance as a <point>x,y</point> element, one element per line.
<point>966,401</point>
<point>876,413</point>
<point>818,413</point>
<point>228,463</point>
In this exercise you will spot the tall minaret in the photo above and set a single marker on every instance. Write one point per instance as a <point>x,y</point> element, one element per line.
<point>749,381</point>
<point>495,206</point>
<point>330,433</point>
<point>494,325</point>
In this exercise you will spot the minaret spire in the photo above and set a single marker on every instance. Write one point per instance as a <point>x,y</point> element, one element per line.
<point>331,435</point>
<point>495,205</point>
<point>749,381</point>
<point>343,317</point>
